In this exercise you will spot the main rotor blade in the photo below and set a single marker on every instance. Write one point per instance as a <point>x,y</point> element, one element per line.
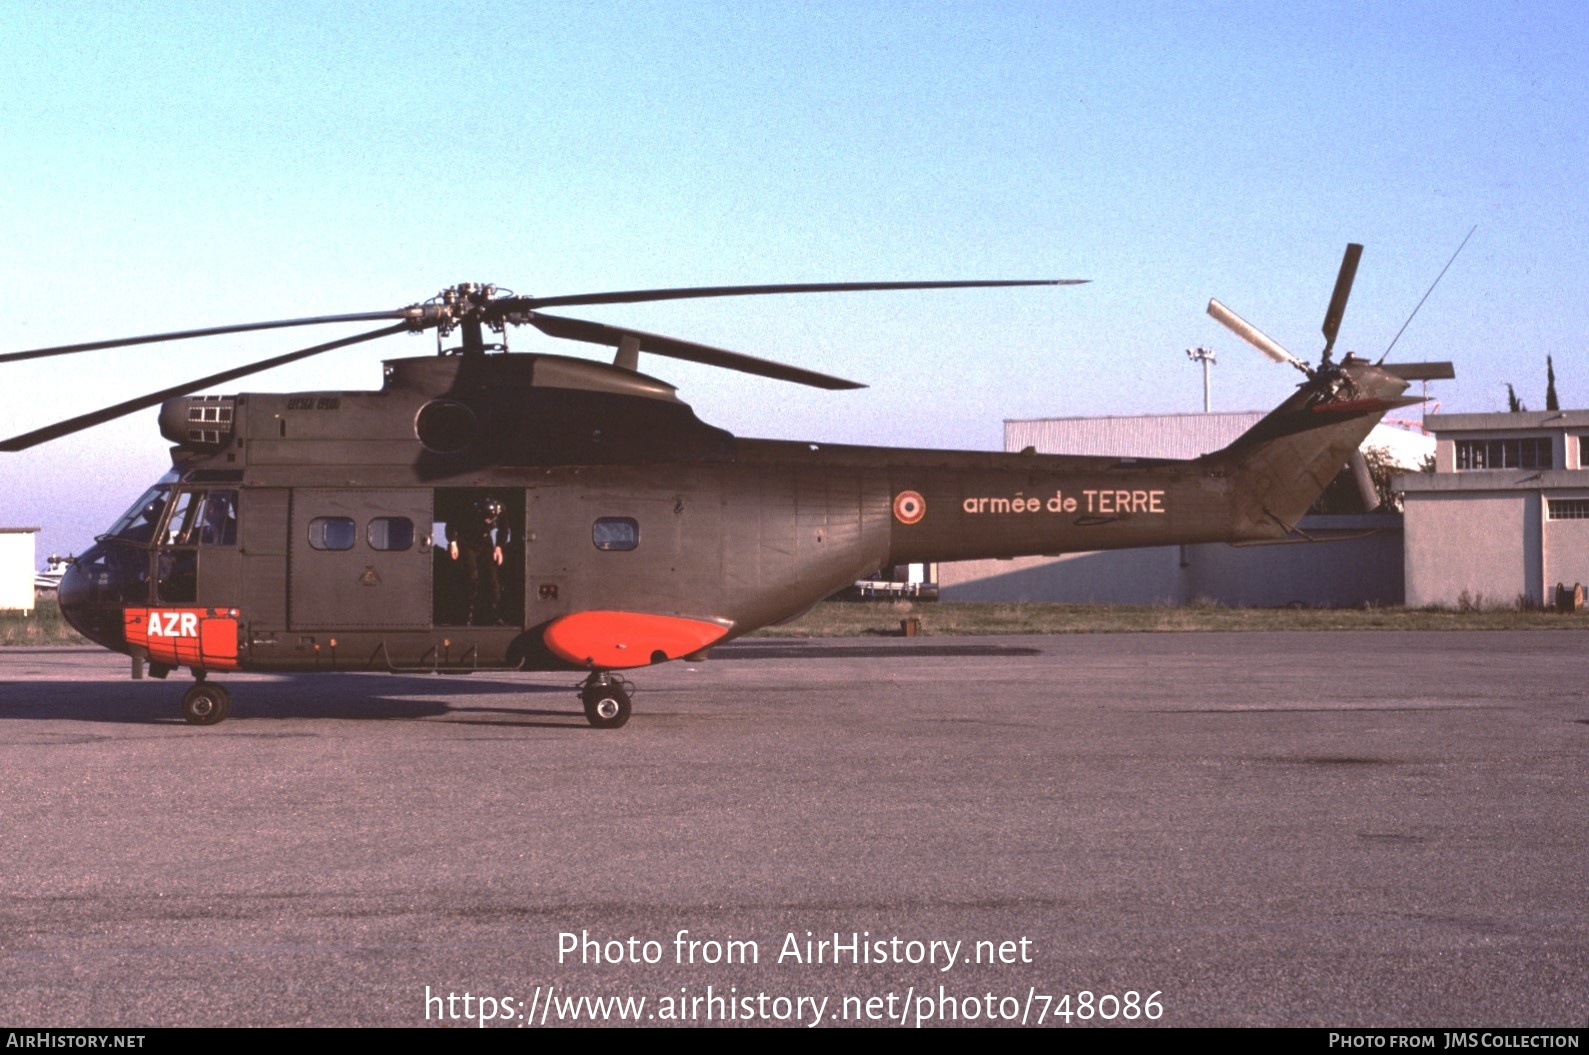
<point>600,333</point>
<point>99,417</point>
<point>1343,289</point>
<point>211,331</point>
<point>1253,336</point>
<point>637,295</point>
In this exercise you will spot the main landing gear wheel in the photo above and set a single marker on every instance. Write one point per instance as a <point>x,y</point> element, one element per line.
<point>206,703</point>
<point>606,703</point>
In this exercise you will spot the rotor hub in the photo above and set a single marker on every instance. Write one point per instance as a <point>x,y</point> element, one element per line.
<point>460,305</point>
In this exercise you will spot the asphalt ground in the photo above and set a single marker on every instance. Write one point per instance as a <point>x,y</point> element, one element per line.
<point>1190,829</point>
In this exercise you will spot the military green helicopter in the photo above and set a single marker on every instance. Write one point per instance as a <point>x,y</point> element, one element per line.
<point>495,510</point>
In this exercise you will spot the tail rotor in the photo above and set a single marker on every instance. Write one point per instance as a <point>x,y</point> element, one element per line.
<point>1332,319</point>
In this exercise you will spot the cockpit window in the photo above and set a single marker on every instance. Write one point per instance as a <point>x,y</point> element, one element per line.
<point>140,522</point>
<point>199,518</point>
<point>217,523</point>
<point>179,529</point>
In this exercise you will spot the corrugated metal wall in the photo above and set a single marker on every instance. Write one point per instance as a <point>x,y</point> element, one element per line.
<point>1176,436</point>
<point>1139,436</point>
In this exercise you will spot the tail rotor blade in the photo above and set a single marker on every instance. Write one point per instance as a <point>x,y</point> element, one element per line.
<point>1253,336</point>
<point>1343,290</point>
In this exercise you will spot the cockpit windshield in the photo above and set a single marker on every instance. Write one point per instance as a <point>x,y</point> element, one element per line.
<point>141,521</point>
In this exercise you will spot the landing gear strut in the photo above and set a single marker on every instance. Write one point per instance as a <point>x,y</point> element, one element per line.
<point>606,700</point>
<point>206,703</point>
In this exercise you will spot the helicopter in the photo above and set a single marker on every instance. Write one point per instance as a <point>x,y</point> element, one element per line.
<point>495,510</point>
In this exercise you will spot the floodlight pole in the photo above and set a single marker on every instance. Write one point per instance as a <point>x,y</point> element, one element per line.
<point>1206,357</point>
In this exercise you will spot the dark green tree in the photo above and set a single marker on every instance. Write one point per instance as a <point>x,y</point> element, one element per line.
<point>1513,404</point>
<point>1551,402</point>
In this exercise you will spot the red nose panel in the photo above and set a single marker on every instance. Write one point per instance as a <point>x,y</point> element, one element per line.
<point>612,640</point>
<point>201,638</point>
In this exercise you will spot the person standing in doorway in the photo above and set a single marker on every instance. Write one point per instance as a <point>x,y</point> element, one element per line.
<point>475,543</point>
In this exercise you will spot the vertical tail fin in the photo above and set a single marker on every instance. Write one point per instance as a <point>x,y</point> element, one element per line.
<point>1280,466</point>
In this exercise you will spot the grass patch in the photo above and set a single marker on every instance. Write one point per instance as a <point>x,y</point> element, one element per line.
<point>43,626</point>
<point>855,619</point>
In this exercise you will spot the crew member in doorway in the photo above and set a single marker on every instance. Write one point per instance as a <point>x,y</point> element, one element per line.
<point>476,543</point>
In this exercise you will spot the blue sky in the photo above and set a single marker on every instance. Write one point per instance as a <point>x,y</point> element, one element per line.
<point>172,165</point>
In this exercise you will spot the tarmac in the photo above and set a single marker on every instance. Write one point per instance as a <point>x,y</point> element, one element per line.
<point>1287,829</point>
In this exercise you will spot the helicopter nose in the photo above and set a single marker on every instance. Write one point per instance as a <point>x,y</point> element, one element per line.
<point>91,598</point>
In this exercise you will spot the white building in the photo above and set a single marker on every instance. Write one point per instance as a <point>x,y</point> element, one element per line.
<point>1504,517</point>
<point>16,568</point>
<point>1362,565</point>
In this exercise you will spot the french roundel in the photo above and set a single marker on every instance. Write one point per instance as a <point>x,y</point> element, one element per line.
<point>909,507</point>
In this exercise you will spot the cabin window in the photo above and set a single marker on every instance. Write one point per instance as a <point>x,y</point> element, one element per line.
<point>616,533</point>
<point>332,533</point>
<point>390,533</point>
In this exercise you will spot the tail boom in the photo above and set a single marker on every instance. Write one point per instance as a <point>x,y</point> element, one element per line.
<point>1256,488</point>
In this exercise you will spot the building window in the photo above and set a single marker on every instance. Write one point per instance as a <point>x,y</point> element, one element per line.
<point>1568,508</point>
<point>1533,453</point>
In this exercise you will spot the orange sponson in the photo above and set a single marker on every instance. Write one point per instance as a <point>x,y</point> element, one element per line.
<point>612,640</point>
<point>201,638</point>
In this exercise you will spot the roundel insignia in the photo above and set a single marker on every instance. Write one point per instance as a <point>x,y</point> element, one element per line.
<point>909,507</point>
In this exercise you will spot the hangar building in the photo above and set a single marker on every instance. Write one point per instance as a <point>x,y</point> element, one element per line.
<point>1363,565</point>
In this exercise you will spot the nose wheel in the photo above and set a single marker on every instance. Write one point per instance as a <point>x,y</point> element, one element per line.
<point>606,701</point>
<point>206,703</point>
